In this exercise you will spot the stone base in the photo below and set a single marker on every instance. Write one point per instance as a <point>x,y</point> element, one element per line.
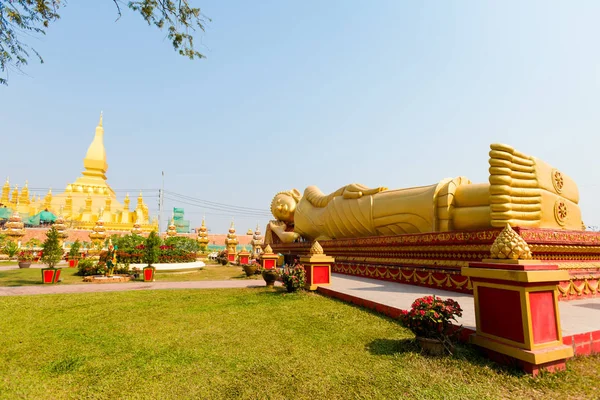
<point>107,279</point>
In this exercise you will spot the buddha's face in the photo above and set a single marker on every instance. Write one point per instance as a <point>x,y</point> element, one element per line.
<point>283,207</point>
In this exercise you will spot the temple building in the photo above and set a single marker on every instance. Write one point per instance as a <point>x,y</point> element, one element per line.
<point>87,198</point>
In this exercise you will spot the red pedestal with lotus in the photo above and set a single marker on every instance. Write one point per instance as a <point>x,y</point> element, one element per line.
<point>268,258</point>
<point>317,266</point>
<point>517,314</point>
<point>243,257</point>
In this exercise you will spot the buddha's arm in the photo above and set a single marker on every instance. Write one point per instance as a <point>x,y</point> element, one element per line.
<point>353,191</point>
<point>279,229</point>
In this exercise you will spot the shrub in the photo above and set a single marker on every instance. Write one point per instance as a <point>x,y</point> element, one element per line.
<point>87,267</point>
<point>10,248</point>
<point>52,253</point>
<point>294,277</point>
<point>430,317</point>
<point>25,256</point>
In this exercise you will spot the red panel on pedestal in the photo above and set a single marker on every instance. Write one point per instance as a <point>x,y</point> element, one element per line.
<point>500,313</point>
<point>244,260</point>
<point>307,271</point>
<point>321,274</point>
<point>231,257</point>
<point>269,264</point>
<point>543,321</point>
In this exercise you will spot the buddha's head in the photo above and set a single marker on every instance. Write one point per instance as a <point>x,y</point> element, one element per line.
<point>284,204</point>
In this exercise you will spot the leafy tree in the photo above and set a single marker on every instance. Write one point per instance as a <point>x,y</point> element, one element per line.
<point>183,243</point>
<point>127,242</point>
<point>52,252</point>
<point>22,18</point>
<point>152,248</point>
<point>74,251</point>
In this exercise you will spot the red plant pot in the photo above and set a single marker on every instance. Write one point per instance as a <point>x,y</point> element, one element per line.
<point>148,274</point>
<point>50,275</point>
<point>73,263</point>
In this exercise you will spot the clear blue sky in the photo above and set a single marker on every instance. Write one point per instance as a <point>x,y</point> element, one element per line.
<point>383,93</point>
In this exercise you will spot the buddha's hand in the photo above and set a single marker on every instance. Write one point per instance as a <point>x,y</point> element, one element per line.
<point>355,191</point>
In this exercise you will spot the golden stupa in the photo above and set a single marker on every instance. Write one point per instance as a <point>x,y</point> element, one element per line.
<point>83,199</point>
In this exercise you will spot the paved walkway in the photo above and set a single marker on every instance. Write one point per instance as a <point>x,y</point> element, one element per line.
<point>577,316</point>
<point>119,287</point>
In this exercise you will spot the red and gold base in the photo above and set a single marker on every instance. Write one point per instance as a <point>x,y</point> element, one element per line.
<point>516,311</point>
<point>318,270</point>
<point>243,257</point>
<point>269,260</point>
<point>231,256</point>
<point>435,259</point>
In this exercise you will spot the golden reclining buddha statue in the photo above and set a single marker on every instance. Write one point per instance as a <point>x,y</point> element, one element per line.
<point>522,191</point>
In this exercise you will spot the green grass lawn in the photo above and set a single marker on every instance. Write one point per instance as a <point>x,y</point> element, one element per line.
<point>33,276</point>
<point>241,343</point>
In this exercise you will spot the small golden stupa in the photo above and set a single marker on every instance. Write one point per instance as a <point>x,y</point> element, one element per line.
<point>61,228</point>
<point>256,242</point>
<point>231,241</point>
<point>14,228</point>
<point>172,230</point>
<point>203,236</point>
<point>98,234</point>
<point>136,230</point>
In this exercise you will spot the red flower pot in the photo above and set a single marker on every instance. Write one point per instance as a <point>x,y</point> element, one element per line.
<point>73,263</point>
<point>50,275</point>
<point>148,274</point>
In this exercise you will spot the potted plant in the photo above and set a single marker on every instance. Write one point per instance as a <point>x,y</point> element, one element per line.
<point>151,251</point>
<point>270,276</point>
<point>25,258</point>
<point>294,277</point>
<point>74,254</point>
<point>430,319</point>
<point>250,269</point>
<point>52,253</point>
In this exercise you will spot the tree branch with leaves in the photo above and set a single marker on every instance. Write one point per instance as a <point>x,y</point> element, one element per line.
<point>21,19</point>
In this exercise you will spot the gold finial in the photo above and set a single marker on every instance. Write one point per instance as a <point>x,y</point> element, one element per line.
<point>315,249</point>
<point>509,245</point>
<point>100,123</point>
<point>268,249</point>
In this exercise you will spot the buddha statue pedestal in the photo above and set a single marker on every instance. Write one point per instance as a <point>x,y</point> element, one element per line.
<point>244,257</point>
<point>516,312</point>
<point>268,258</point>
<point>317,266</point>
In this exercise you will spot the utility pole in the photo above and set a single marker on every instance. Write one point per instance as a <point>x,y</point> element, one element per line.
<point>161,203</point>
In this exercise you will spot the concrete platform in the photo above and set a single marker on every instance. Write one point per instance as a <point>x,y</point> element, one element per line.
<point>580,319</point>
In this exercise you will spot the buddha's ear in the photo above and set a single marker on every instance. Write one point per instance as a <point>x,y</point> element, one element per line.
<point>296,194</point>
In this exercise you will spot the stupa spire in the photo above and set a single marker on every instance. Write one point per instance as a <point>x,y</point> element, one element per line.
<point>95,158</point>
